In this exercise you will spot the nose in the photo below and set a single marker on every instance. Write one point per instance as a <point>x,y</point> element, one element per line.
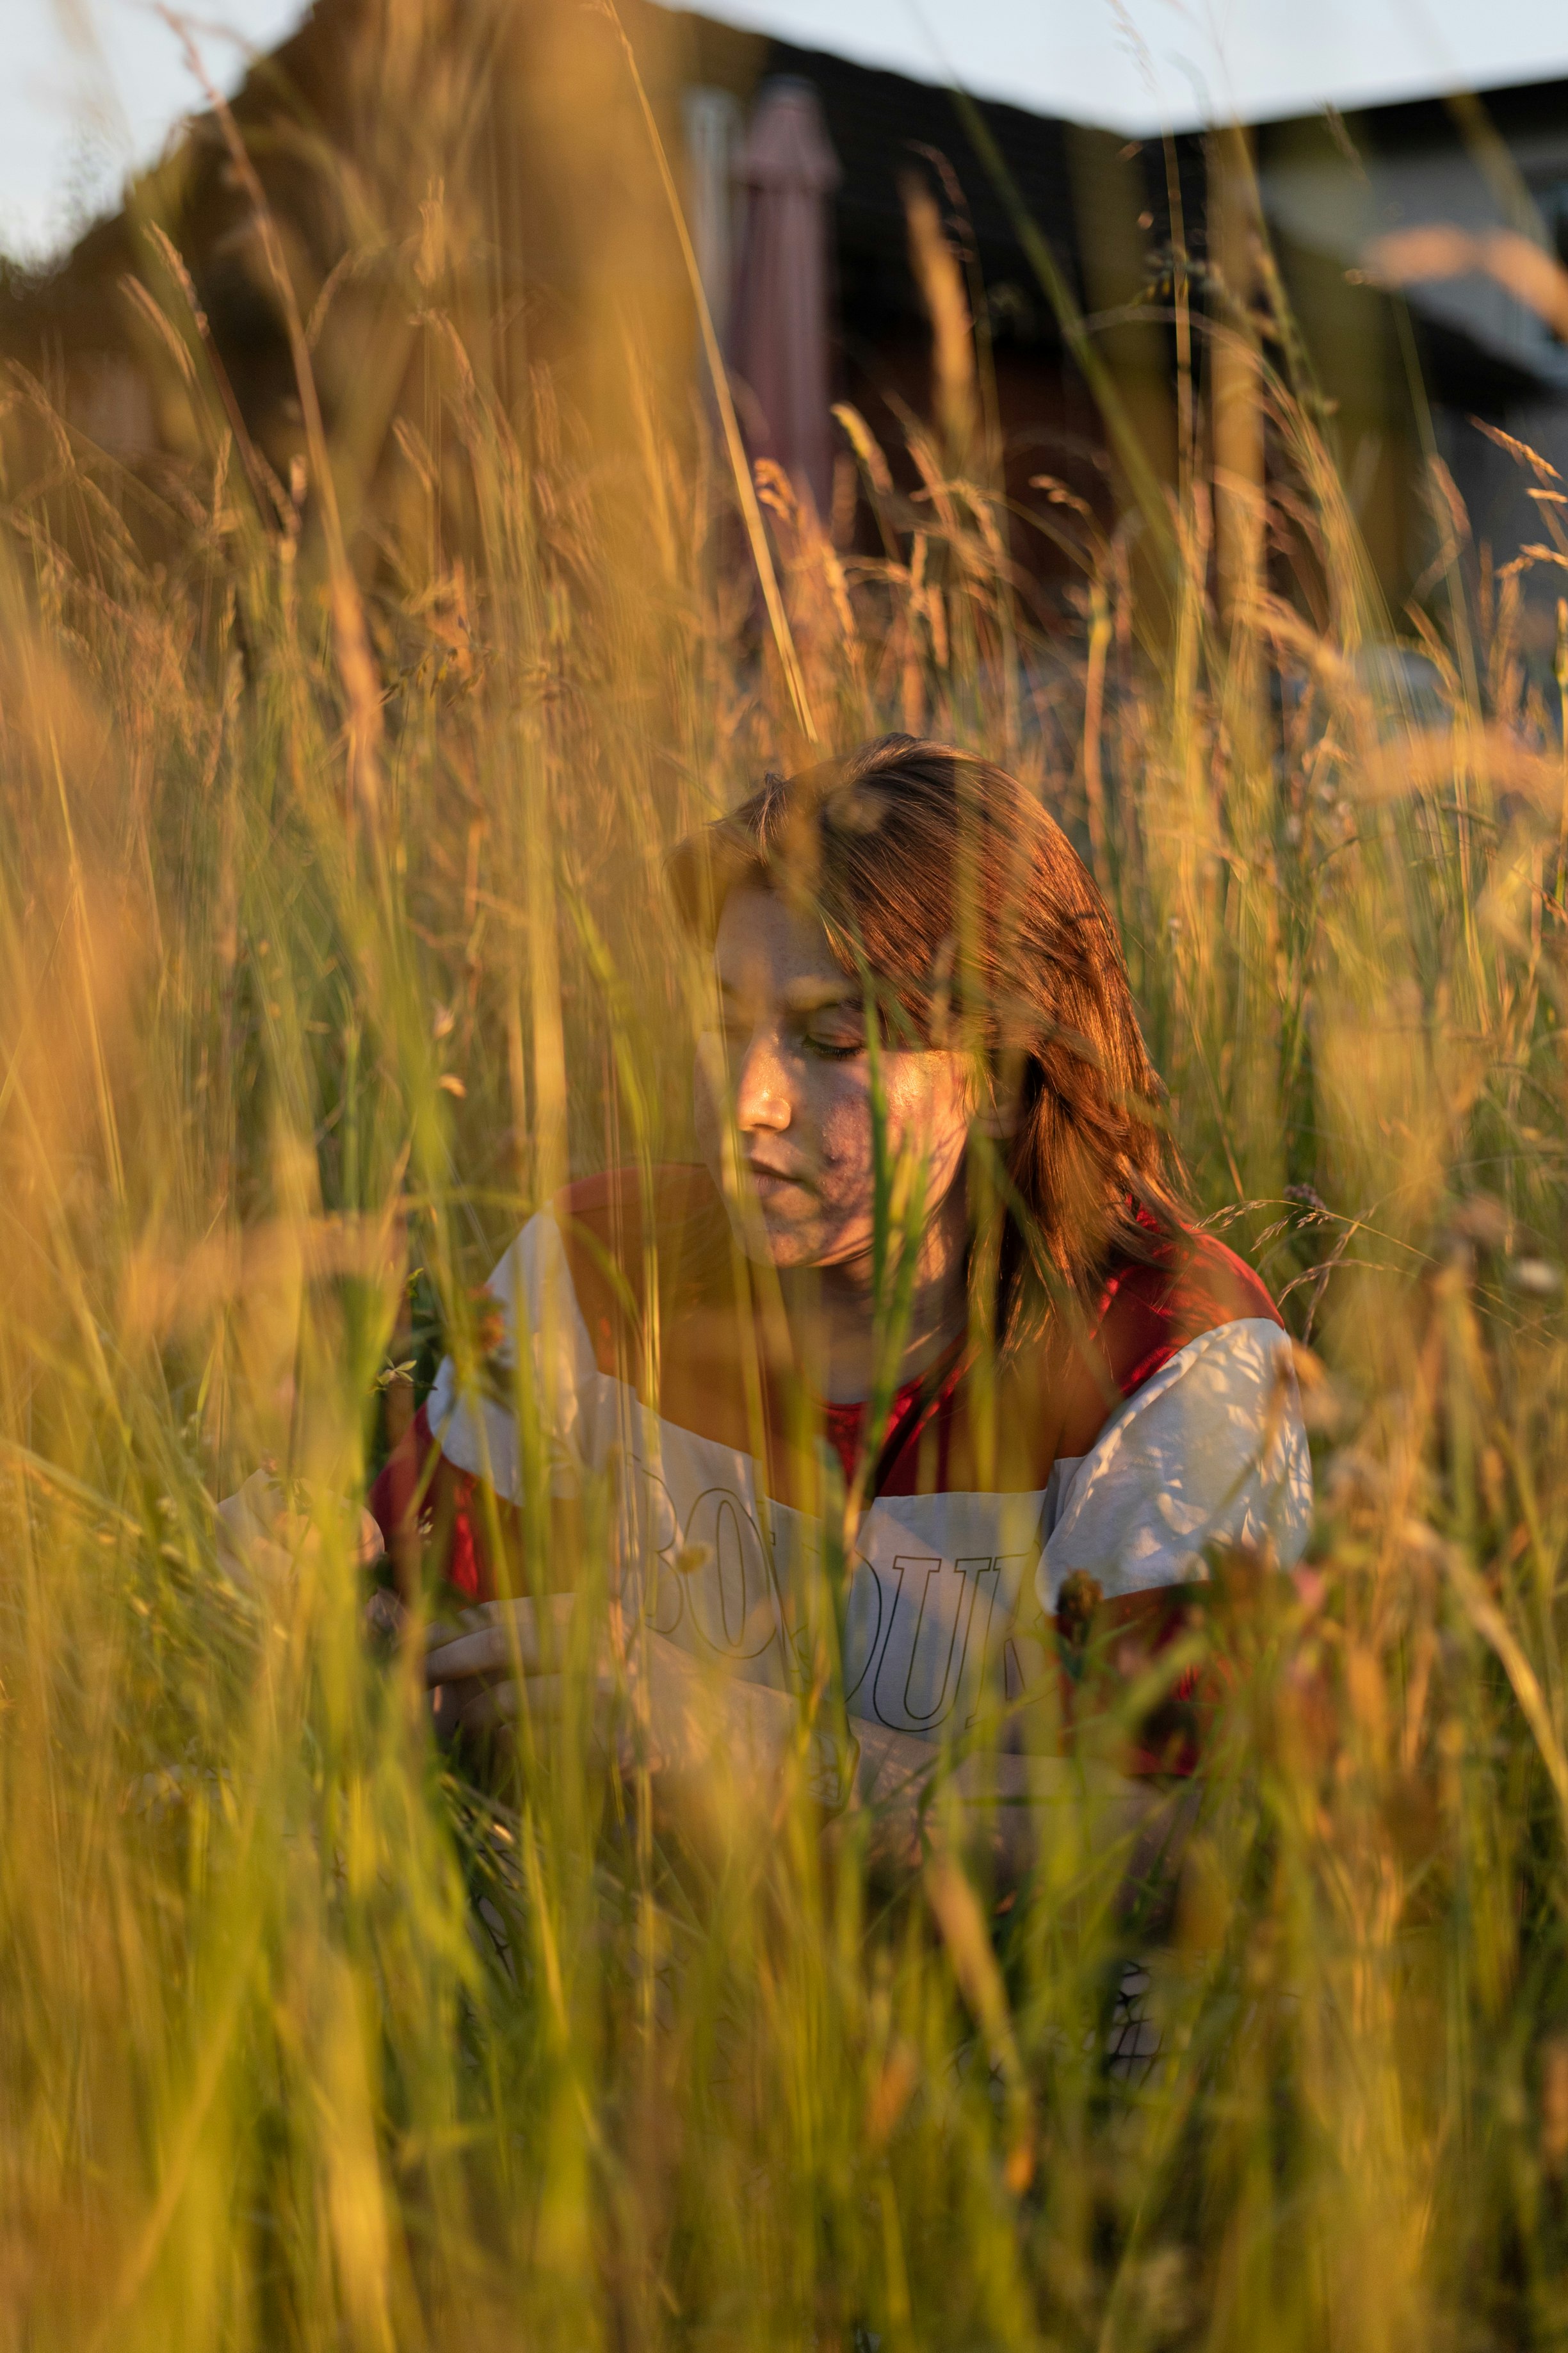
<point>761,1086</point>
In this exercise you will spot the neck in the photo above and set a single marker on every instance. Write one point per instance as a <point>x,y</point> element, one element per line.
<point>832,1310</point>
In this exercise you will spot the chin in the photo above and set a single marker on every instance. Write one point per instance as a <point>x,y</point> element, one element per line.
<point>767,1242</point>
<point>777,1245</point>
<point>786,1251</point>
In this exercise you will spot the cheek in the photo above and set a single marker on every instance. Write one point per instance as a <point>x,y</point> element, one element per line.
<point>706,1093</point>
<point>840,1109</point>
<point>928,1111</point>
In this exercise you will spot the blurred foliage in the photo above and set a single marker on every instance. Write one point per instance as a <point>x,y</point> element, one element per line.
<point>332,937</point>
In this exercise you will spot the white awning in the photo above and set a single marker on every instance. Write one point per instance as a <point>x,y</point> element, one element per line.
<point>1143,66</point>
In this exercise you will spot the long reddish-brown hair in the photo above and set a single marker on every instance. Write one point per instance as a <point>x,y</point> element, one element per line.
<point>941,878</point>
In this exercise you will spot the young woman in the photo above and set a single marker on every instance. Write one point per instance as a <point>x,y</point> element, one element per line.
<point>887,1442</point>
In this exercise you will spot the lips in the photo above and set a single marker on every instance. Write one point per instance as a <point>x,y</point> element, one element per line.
<point>771,1183</point>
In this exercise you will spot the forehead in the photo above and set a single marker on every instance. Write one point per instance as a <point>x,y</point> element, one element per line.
<point>764,947</point>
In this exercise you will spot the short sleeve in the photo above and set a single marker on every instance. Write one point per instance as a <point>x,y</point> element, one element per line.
<point>476,1429</point>
<point>1210,1451</point>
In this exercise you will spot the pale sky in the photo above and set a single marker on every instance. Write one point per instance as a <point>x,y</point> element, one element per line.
<point>90,89</point>
<point>77,112</point>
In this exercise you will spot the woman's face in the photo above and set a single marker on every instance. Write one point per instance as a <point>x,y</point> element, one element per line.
<point>789,1060</point>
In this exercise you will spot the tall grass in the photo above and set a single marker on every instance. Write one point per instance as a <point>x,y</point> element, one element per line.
<point>334,938</point>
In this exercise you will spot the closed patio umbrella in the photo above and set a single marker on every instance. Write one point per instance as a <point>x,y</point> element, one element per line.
<point>787,170</point>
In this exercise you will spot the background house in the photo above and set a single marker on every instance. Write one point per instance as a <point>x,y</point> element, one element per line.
<point>1336,195</point>
<point>1404,367</point>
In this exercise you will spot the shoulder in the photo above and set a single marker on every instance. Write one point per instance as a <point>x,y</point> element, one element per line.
<point>628,1226</point>
<point>1153,1308</point>
<point>1194,1438</point>
<point>1149,1310</point>
<point>620,1207</point>
<point>1208,1451</point>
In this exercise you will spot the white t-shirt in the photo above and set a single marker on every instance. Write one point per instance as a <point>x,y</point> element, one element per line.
<point>945,1588</point>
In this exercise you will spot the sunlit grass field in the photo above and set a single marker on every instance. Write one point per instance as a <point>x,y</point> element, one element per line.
<point>332,939</point>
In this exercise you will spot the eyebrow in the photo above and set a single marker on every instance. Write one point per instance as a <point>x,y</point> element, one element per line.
<point>808,996</point>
